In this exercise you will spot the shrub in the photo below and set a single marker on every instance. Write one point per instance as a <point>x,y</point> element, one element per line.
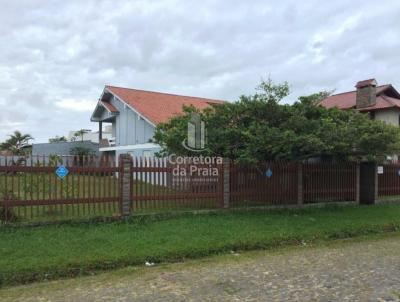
<point>7,214</point>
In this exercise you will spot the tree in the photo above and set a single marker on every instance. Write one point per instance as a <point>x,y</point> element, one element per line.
<point>258,128</point>
<point>57,139</point>
<point>80,153</point>
<point>55,159</point>
<point>16,143</point>
<point>81,133</point>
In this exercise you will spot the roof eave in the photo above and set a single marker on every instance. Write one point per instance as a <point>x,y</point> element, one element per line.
<point>389,87</point>
<point>376,109</point>
<point>110,113</point>
<point>129,106</point>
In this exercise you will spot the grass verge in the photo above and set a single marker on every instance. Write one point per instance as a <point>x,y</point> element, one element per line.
<point>56,251</point>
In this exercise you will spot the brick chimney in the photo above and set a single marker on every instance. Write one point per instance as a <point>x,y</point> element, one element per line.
<point>366,93</point>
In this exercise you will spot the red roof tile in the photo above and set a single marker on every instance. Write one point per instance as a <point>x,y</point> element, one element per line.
<point>347,100</point>
<point>109,107</point>
<point>383,102</point>
<point>156,106</point>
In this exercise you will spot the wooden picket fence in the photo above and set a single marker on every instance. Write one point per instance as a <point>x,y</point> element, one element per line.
<point>31,191</point>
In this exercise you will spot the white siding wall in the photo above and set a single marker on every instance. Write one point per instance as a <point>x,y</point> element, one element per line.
<point>130,129</point>
<point>389,116</point>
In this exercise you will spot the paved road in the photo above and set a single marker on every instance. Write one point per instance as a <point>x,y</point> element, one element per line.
<point>354,271</point>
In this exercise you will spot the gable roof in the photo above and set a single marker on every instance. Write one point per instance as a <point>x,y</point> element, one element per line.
<point>158,107</point>
<point>387,97</point>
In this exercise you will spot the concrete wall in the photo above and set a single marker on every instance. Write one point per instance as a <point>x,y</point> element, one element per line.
<point>389,116</point>
<point>63,148</point>
<point>130,129</point>
<point>92,136</point>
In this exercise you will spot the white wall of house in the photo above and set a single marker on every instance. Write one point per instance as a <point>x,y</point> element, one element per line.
<point>389,116</point>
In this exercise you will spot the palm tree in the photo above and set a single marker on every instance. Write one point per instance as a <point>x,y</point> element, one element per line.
<point>16,143</point>
<point>81,133</point>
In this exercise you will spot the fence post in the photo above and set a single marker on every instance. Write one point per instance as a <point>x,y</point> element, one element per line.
<point>226,183</point>
<point>300,183</point>
<point>125,161</point>
<point>376,184</point>
<point>358,182</point>
<point>368,183</point>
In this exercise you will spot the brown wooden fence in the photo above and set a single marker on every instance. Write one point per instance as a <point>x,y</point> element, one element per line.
<point>324,182</point>
<point>272,183</point>
<point>389,180</point>
<point>291,183</point>
<point>30,190</point>
<point>159,185</point>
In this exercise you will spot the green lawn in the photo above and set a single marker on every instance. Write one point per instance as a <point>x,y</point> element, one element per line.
<point>29,254</point>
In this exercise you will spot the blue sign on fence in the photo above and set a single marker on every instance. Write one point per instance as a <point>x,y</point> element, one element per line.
<point>268,173</point>
<point>62,171</point>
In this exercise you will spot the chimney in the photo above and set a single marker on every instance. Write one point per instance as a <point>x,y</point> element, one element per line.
<point>366,93</point>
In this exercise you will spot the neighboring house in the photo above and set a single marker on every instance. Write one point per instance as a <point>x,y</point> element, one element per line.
<point>380,102</point>
<point>63,148</point>
<point>134,115</point>
<point>92,136</point>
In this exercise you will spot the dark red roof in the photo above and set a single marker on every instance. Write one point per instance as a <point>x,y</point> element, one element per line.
<point>383,102</point>
<point>156,106</point>
<point>347,100</point>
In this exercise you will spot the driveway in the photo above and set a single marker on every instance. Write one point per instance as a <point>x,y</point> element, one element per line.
<point>362,270</point>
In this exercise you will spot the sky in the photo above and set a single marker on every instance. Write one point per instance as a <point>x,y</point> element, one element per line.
<point>56,56</point>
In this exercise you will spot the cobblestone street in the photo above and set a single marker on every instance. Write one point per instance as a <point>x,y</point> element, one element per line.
<point>354,271</point>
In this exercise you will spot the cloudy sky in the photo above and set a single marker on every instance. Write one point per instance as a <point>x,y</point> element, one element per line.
<point>56,56</point>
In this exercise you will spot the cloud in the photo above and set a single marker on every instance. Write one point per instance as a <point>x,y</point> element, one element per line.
<point>76,105</point>
<point>56,56</point>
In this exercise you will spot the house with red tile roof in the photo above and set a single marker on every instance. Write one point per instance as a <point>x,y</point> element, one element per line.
<point>134,115</point>
<point>380,102</point>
